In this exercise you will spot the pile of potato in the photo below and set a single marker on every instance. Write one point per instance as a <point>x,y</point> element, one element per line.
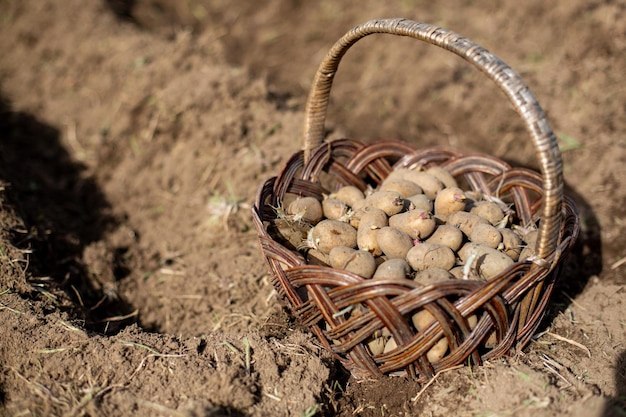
<point>418,224</point>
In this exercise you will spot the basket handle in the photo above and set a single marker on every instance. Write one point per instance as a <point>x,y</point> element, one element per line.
<point>509,81</point>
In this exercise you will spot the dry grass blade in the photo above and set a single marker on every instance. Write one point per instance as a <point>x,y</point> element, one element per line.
<point>618,263</point>
<point>571,342</point>
<point>432,380</point>
<point>161,408</point>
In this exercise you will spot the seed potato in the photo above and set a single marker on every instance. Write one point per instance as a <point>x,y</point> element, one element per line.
<point>349,195</point>
<point>489,211</point>
<point>405,188</point>
<point>526,253</point>
<point>393,243</point>
<point>371,222</point>
<point>361,263</point>
<point>393,269</point>
<point>465,221</point>
<point>292,234</point>
<point>391,202</point>
<point>420,202</point>
<point>529,237</point>
<point>354,215</point>
<point>433,355</point>
<point>487,235</point>
<point>438,351</point>
<point>447,235</point>
<point>457,272</point>
<point>433,275</point>
<point>330,233</point>
<point>317,257</point>
<point>448,201</point>
<point>427,255</point>
<point>429,184</point>
<point>358,205</point>
<point>339,255</point>
<point>487,262</point>
<point>308,209</point>
<point>511,243</point>
<point>390,345</point>
<point>376,344</point>
<point>442,175</point>
<point>422,320</point>
<point>334,209</point>
<point>417,224</point>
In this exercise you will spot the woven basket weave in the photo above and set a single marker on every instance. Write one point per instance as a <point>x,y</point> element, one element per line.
<point>511,305</point>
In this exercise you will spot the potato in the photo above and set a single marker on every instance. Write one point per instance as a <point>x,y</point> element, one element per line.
<point>417,224</point>
<point>376,344</point>
<point>354,216</point>
<point>434,354</point>
<point>427,255</point>
<point>433,275</point>
<point>465,221</point>
<point>356,261</point>
<point>291,234</point>
<point>529,237</point>
<point>526,253</point>
<point>358,205</point>
<point>492,340</point>
<point>308,209</point>
<point>472,321</point>
<point>438,351</point>
<point>457,272</point>
<point>420,202</point>
<point>393,242</point>
<point>361,263</point>
<point>316,257</point>
<point>334,209</point>
<point>488,210</point>
<point>487,262</point>
<point>370,223</point>
<point>391,202</point>
<point>390,345</point>
<point>422,320</point>
<point>511,243</point>
<point>393,269</point>
<point>447,235</point>
<point>487,235</point>
<point>349,195</point>
<point>405,188</point>
<point>429,184</point>
<point>448,201</point>
<point>442,175</point>
<point>339,255</point>
<point>328,234</point>
<point>471,197</point>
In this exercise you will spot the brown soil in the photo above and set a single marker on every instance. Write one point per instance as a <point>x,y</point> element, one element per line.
<point>135,135</point>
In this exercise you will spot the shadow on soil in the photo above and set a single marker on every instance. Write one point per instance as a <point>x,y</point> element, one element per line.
<point>62,210</point>
<point>582,263</point>
<point>616,407</point>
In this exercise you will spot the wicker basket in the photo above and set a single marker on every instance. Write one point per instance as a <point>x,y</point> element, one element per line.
<point>511,305</point>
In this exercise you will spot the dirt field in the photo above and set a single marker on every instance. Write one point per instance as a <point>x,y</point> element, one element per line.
<point>134,135</point>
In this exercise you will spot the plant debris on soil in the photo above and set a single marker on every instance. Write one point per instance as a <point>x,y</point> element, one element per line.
<point>134,135</point>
